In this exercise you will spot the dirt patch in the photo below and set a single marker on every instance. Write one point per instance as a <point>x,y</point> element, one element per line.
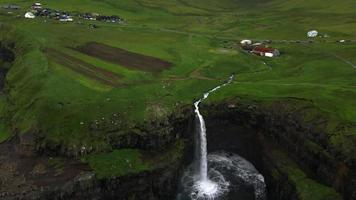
<point>84,68</point>
<point>124,58</point>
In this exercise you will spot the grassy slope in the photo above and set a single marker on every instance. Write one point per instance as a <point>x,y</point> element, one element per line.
<point>49,97</point>
<point>132,161</point>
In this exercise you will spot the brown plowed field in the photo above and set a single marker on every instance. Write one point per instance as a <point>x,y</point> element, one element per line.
<point>124,58</point>
<point>84,68</point>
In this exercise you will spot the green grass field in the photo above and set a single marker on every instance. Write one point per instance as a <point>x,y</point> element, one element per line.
<point>46,95</point>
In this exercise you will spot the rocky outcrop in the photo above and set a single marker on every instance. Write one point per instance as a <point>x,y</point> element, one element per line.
<point>154,135</point>
<point>27,174</point>
<point>306,141</point>
<point>157,184</point>
<point>6,58</point>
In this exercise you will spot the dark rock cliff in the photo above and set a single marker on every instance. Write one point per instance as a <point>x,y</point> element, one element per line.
<point>156,184</point>
<point>283,126</point>
<point>25,173</point>
<point>150,135</point>
<point>6,58</point>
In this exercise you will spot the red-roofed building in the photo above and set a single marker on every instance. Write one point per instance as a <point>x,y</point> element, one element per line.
<point>265,51</point>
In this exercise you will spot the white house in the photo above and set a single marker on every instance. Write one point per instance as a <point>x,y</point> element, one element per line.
<point>246,42</point>
<point>65,18</point>
<point>37,6</point>
<point>312,33</point>
<point>29,15</point>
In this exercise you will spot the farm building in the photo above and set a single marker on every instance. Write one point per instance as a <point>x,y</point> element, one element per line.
<point>65,18</point>
<point>246,45</point>
<point>246,42</point>
<point>265,51</point>
<point>37,6</point>
<point>313,33</point>
<point>29,15</point>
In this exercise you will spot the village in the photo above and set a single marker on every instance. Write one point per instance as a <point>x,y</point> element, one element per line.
<point>38,10</point>
<point>258,47</point>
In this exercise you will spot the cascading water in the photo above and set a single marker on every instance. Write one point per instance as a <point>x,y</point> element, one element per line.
<point>207,187</point>
<point>203,183</point>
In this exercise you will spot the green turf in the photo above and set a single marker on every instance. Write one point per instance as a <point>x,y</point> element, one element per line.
<point>132,161</point>
<point>117,163</point>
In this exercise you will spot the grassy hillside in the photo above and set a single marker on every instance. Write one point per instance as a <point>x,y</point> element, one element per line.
<point>62,92</point>
<point>189,34</point>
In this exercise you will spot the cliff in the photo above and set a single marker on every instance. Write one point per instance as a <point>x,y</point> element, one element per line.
<point>292,145</point>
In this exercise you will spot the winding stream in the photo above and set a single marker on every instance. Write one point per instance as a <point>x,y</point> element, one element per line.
<point>219,175</point>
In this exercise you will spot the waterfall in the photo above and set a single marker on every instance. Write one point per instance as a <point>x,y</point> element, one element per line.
<point>204,182</point>
<point>229,176</point>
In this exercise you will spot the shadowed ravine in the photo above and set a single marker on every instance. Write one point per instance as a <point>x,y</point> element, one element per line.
<point>219,175</point>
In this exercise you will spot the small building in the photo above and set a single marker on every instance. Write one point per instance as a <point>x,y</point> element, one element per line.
<point>246,45</point>
<point>257,44</point>
<point>265,51</point>
<point>112,19</point>
<point>313,34</point>
<point>29,15</point>
<point>245,42</point>
<point>65,18</point>
<point>37,6</point>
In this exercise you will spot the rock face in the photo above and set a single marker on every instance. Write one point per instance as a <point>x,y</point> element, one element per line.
<point>6,57</point>
<point>158,184</point>
<point>154,135</point>
<point>283,126</point>
<point>29,174</point>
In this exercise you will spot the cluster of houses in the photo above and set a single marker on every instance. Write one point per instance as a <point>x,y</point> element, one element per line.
<point>259,49</point>
<point>97,17</point>
<point>37,10</point>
